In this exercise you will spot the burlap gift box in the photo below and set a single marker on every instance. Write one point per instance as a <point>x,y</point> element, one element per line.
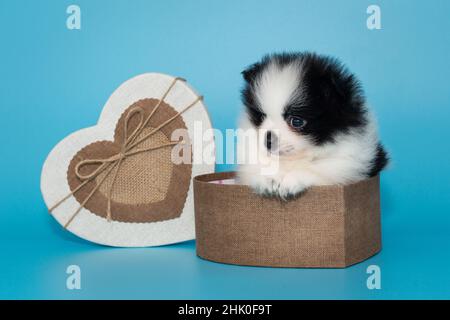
<point>327,227</point>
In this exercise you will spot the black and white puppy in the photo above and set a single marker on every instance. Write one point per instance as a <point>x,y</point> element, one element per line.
<point>314,116</point>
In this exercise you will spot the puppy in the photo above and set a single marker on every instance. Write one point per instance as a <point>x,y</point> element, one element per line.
<point>315,128</point>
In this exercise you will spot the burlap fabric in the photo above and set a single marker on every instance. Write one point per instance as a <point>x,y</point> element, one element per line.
<point>327,227</point>
<point>148,186</point>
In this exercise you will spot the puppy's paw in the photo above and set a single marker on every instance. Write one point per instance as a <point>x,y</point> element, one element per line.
<point>264,186</point>
<point>290,188</point>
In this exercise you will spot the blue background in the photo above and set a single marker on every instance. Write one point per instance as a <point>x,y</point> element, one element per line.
<point>55,81</point>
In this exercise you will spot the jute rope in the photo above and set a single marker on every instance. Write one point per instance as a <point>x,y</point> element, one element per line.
<point>113,163</point>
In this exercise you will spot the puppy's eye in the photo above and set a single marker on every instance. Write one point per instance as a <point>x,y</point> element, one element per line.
<point>297,122</point>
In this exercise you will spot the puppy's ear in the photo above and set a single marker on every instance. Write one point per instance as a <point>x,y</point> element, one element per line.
<point>344,91</point>
<point>338,85</point>
<point>332,83</point>
<point>251,72</point>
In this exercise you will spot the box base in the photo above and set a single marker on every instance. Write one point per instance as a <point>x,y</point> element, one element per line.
<point>327,227</point>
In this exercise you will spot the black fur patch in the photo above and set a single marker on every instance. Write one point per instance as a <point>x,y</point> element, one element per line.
<point>334,99</point>
<point>380,162</point>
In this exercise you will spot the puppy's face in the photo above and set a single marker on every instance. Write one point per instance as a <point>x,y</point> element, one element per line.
<point>301,101</point>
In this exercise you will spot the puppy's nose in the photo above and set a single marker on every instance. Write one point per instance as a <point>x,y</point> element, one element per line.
<point>271,141</point>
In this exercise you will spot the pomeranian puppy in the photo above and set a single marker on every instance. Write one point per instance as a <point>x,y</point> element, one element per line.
<point>316,127</point>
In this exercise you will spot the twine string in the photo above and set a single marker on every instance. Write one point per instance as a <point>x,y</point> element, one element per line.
<point>129,148</point>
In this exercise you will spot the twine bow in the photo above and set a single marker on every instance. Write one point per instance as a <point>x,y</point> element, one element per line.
<point>128,149</point>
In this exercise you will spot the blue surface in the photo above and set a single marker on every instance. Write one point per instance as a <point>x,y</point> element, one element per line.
<point>55,81</point>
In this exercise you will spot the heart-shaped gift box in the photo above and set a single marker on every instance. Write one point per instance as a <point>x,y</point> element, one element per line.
<point>116,183</point>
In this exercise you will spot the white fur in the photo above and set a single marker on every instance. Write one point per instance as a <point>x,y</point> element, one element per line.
<point>299,163</point>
